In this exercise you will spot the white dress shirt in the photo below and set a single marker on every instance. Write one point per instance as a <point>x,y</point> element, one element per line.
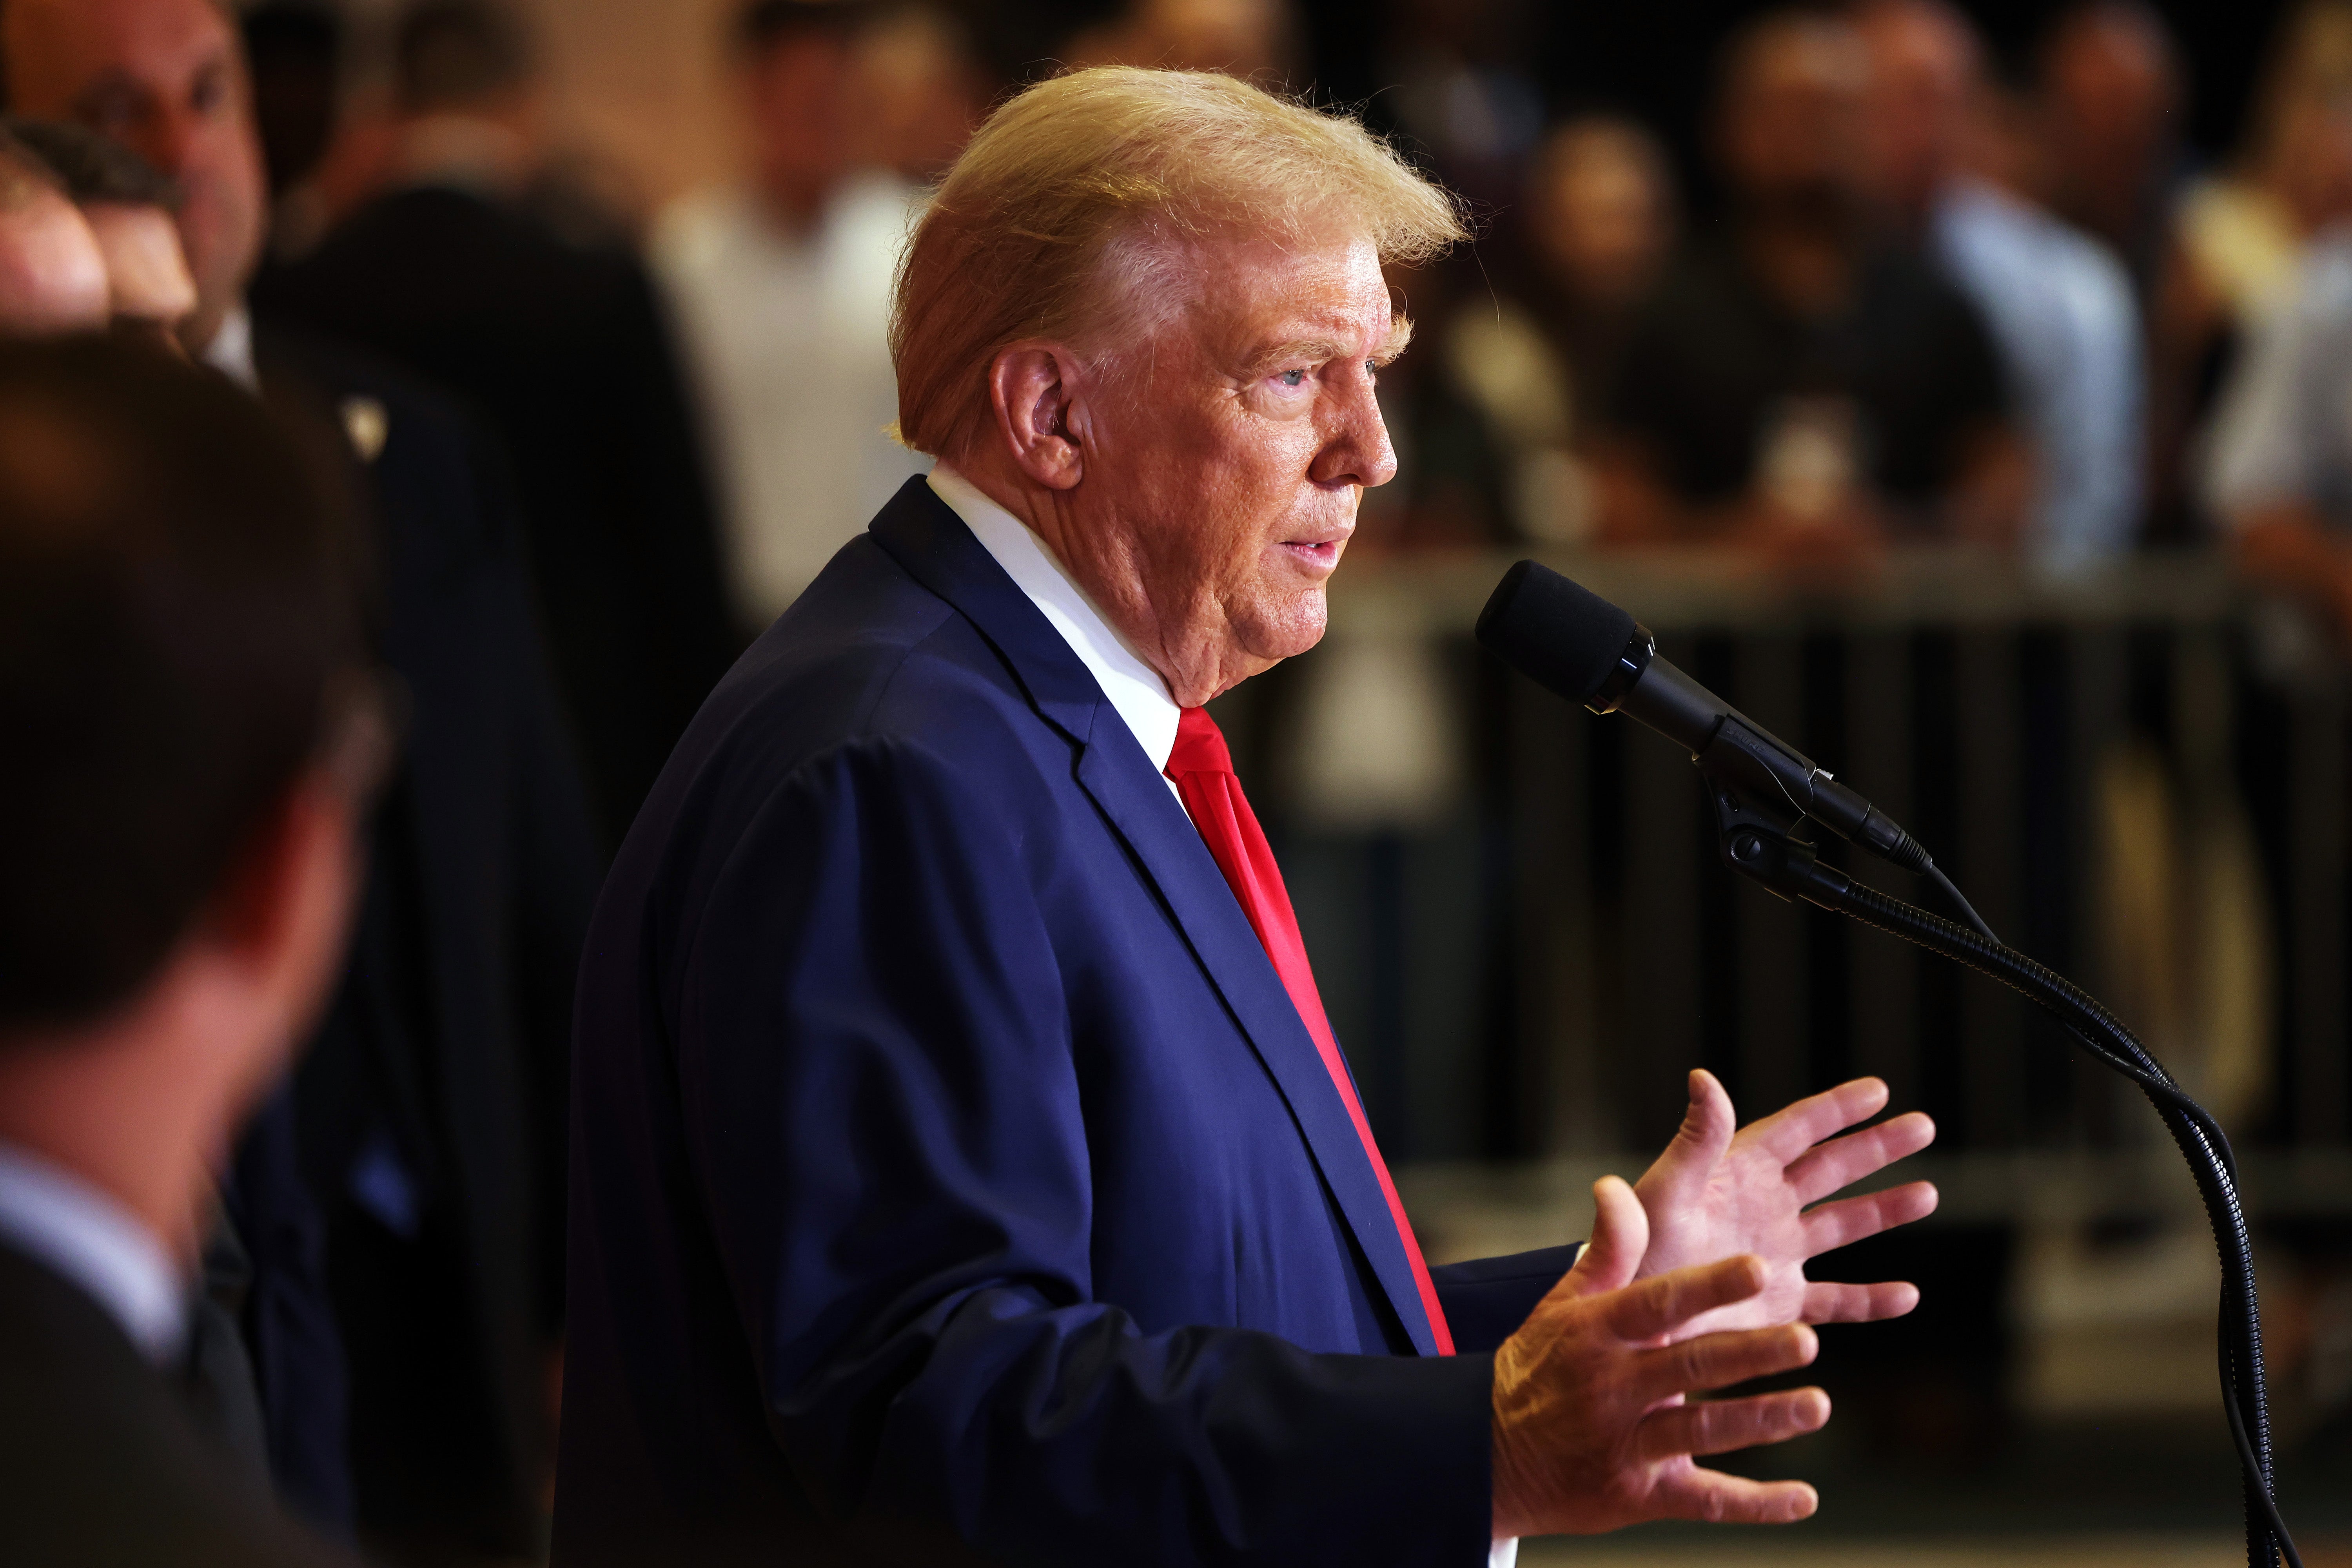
<point>59,1220</point>
<point>1134,687</point>
<point>231,350</point>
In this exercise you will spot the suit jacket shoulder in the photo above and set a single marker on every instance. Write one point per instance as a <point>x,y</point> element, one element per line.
<point>98,1466</point>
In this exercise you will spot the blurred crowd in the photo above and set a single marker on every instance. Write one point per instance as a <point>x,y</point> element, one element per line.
<point>1932,297</point>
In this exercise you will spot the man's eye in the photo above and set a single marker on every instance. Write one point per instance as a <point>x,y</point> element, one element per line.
<point>1292,377</point>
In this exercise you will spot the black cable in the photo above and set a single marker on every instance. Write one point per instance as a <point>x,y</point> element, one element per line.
<point>2200,1137</point>
<point>1968,915</point>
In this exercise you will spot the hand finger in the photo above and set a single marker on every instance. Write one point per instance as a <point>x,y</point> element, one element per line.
<point>1665,1301</point>
<point>1841,1162</point>
<point>1620,1234</point>
<point>1833,1304</point>
<point>1834,1224</point>
<point>1706,1132</point>
<point>1786,1134</point>
<point>1724,1426</point>
<point>1719,1360</point>
<point>1718,1499</point>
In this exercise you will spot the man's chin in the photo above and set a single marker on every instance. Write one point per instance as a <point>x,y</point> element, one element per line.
<point>1292,623</point>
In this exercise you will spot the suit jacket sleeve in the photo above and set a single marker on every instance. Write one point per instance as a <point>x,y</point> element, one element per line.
<point>883,1110</point>
<point>1485,1302</point>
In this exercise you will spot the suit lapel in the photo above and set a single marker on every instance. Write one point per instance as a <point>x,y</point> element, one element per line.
<point>931,542</point>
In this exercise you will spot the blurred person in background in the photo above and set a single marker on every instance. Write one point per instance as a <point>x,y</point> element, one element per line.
<point>53,276</point>
<point>182,661</point>
<point>2242,229</point>
<point>1799,385</point>
<point>449,272</point>
<point>2242,234</point>
<point>781,284</point>
<point>2060,305</point>
<point>1538,358</point>
<point>2109,96</point>
<point>2278,470</point>
<point>427,1121</point>
<point>128,207</point>
<point>1257,41</point>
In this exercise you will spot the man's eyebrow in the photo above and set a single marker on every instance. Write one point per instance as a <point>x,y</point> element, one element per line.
<point>1319,351</point>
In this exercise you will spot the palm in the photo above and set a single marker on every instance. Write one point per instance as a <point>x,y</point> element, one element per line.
<point>1717,1192</point>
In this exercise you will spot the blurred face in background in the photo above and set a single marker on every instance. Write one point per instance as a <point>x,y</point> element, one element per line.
<point>1923,69</point>
<point>150,288</point>
<point>1790,129</point>
<point>1602,213</point>
<point>2109,96</point>
<point>52,274</point>
<point>163,78</point>
<point>797,92</point>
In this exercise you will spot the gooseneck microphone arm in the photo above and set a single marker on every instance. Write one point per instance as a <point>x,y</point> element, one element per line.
<point>1589,651</point>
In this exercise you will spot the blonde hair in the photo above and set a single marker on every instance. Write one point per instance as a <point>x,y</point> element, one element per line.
<point>1069,214</point>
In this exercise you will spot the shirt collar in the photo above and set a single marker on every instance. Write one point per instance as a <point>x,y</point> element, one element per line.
<point>231,350</point>
<point>55,1217</point>
<point>1133,687</point>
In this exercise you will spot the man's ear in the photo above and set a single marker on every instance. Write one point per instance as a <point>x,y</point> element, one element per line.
<point>1034,389</point>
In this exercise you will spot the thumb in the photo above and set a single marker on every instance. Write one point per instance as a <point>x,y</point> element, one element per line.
<point>1699,1143</point>
<point>1621,1235</point>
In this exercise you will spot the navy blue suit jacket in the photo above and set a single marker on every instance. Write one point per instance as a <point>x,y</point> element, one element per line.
<point>952,1179</point>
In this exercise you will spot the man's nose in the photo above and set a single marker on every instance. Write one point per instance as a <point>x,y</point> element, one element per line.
<point>166,138</point>
<point>1356,448</point>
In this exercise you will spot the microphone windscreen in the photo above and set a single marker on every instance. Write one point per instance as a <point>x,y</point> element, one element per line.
<point>1563,636</point>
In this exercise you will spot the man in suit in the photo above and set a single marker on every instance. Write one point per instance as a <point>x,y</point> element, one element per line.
<point>184,671</point>
<point>455,272</point>
<point>963,1165</point>
<point>426,1122</point>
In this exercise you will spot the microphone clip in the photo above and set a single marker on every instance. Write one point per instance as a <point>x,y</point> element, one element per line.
<point>1761,793</point>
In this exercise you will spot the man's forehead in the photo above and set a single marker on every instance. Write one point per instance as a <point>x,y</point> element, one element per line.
<point>1263,294</point>
<point>53,47</point>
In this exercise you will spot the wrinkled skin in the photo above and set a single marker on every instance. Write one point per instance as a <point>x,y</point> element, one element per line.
<point>1592,1427</point>
<point>1715,1193</point>
<point>1201,484</point>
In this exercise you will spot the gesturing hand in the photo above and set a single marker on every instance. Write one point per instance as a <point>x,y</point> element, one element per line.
<point>1590,1431</point>
<point>1714,1194</point>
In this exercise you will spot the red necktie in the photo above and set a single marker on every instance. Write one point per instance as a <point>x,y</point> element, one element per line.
<point>1202,772</point>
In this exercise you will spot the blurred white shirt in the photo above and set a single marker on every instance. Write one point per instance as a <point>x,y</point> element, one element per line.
<point>53,1216</point>
<point>787,338</point>
<point>2282,430</point>
<point>2061,307</point>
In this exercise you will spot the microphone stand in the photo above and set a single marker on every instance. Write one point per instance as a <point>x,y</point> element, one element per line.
<point>1756,824</point>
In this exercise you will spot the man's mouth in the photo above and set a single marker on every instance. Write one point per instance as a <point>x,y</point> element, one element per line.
<point>1321,554</point>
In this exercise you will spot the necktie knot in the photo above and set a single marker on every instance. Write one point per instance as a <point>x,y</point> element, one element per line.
<point>1200,744</point>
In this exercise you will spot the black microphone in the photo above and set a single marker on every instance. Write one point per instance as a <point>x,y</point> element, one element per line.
<point>1572,641</point>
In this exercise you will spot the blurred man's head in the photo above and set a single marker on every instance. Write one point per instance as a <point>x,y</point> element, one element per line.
<point>1924,69</point>
<point>793,59</point>
<point>459,55</point>
<point>166,78</point>
<point>2111,92</point>
<point>1788,125</point>
<point>128,207</point>
<point>182,681</point>
<point>52,272</point>
<point>1602,209</point>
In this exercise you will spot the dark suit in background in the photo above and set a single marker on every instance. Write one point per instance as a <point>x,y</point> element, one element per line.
<point>429,1110</point>
<point>561,347</point>
<point>104,1467</point>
